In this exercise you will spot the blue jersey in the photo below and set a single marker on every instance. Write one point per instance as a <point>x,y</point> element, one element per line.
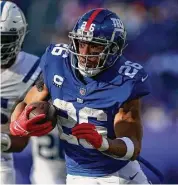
<point>94,100</point>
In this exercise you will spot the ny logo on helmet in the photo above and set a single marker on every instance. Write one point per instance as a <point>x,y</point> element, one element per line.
<point>118,23</point>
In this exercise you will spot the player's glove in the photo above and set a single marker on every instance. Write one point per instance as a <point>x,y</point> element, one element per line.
<point>88,132</point>
<point>30,127</point>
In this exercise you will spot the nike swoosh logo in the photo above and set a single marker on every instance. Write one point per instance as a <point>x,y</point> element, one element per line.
<point>19,128</point>
<point>131,178</point>
<point>16,127</point>
<point>144,78</point>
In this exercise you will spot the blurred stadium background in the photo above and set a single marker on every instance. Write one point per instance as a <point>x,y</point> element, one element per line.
<point>152,27</point>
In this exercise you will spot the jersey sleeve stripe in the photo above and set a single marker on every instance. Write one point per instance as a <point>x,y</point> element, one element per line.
<point>34,72</point>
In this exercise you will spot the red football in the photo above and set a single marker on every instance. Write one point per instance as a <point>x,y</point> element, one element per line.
<point>44,107</point>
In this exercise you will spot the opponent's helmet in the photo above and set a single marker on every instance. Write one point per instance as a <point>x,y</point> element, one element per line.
<point>13,30</point>
<point>98,26</point>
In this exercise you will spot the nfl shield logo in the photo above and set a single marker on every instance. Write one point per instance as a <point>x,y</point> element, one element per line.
<point>82,91</point>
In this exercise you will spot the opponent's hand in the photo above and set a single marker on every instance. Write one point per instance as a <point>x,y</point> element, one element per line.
<point>88,132</point>
<point>30,127</point>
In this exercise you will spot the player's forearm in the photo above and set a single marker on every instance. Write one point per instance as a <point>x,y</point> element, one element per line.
<point>18,110</point>
<point>36,94</point>
<point>18,143</point>
<point>119,148</point>
<point>128,132</point>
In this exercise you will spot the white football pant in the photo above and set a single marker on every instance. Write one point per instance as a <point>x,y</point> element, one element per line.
<point>130,174</point>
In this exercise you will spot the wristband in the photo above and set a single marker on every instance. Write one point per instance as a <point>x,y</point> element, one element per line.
<point>5,142</point>
<point>130,148</point>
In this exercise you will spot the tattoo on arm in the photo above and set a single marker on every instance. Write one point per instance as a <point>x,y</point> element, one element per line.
<point>40,83</point>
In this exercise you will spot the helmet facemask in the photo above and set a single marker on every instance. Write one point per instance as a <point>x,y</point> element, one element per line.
<point>11,43</point>
<point>110,50</point>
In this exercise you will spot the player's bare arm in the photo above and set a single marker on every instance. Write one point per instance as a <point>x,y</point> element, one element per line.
<point>127,123</point>
<point>38,92</point>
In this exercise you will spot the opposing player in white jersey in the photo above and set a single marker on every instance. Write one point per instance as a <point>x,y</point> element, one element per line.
<point>19,71</point>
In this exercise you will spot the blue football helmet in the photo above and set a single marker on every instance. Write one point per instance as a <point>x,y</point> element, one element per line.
<point>98,26</point>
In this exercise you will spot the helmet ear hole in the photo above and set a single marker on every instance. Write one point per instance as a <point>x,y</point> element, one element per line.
<point>114,49</point>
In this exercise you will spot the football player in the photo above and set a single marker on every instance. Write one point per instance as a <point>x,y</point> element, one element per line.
<point>19,71</point>
<point>97,93</point>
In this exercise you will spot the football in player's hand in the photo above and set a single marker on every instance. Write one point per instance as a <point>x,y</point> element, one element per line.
<point>44,107</point>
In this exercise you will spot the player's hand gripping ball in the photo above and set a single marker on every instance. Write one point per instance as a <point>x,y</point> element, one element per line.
<point>37,119</point>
